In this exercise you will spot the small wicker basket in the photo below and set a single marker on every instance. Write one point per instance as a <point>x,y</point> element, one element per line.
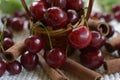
<point>58,37</point>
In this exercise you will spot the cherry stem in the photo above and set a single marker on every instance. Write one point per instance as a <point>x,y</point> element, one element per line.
<point>26,8</point>
<point>2,47</point>
<point>51,46</point>
<point>31,28</point>
<point>1,39</point>
<point>89,9</point>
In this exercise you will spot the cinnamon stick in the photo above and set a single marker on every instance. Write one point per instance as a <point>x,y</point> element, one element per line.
<point>102,27</point>
<point>83,72</point>
<point>112,66</point>
<point>55,74</point>
<point>112,43</point>
<point>14,52</point>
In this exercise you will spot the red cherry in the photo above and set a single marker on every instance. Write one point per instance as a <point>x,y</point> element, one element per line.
<point>29,60</point>
<point>92,59</point>
<point>55,17</point>
<point>72,16</point>
<point>2,67</point>
<point>80,37</point>
<point>117,16</point>
<point>7,19</point>
<point>48,3</point>
<point>75,4</point>
<point>14,67</point>
<point>115,8</point>
<point>34,44</point>
<point>17,24</point>
<point>37,9</point>
<point>8,33</point>
<point>7,43</point>
<point>107,17</point>
<point>97,40</point>
<point>97,15</point>
<point>55,57</point>
<point>19,14</point>
<point>60,3</point>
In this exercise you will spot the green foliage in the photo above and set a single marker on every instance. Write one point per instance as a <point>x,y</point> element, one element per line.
<point>106,5</point>
<point>9,6</point>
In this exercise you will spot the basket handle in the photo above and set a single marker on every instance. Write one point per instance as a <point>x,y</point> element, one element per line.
<point>90,5</point>
<point>87,16</point>
<point>26,8</point>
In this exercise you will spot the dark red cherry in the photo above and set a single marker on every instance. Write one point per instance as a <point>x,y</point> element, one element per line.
<point>19,14</point>
<point>48,3</point>
<point>97,40</point>
<point>107,17</point>
<point>55,57</point>
<point>17,24</point>
<point>37,9</point>
<point>7,19</point>
<point>80,37</point>
<point>75,4</point>
<point>7,43</point>
<point>97,15</point>
<point>29,60</point>
<point>72,16</point>
<point>33,43</point>
<point>60,3</point>
<point>55,17</point>
<point>14,67</point>
<point>2,67</point>
<point>8,33</point>
<point>115,8</point>
<point>117,16</point>
<point>92,59</point>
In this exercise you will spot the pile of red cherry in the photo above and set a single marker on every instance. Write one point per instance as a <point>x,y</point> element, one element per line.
<point>56,14</point>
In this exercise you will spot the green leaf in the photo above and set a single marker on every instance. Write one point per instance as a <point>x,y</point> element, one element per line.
<point>106,5</point>
<point>10,6</point>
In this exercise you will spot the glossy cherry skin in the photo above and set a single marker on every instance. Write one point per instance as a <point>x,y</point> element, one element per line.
<point>117,16</point>
<point>55,57</point>
<point>37,9</point>
<point>97,40</point>
<point>34,43</point>
<point>80,37</point>
<point>55,17</point>
<point>48,3</point>
<point>29,60</point>
<point>6,19</point>
<point>14,67</point>
<point>8,33</point>
<point>75,4</point>
<point>92,59</point>
<point>19,14</point>
<point>115,8</point>
<point>60,3</point>
<point>2,67</point>
<point>97,15</point>
<point>17,24</point>
<point>7,43</point>
<point>72,16</point>
<point>107,17</point>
